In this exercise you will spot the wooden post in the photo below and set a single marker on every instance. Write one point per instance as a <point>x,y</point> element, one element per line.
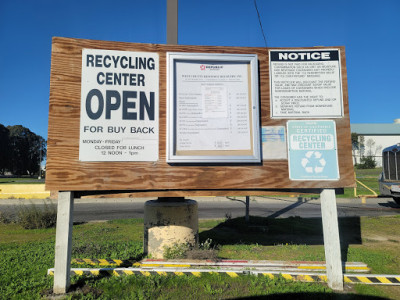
<point>62,265</point>
<point>330,226</point>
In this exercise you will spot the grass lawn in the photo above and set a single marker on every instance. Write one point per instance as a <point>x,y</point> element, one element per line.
<point>27,254</point>
<point>21,180</point>
<point>368,177</point>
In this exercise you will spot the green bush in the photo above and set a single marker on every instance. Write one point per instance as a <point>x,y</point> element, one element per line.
<point>367,162</point>
<point>176,251</point>
<point>32,217</point>
<point>4,218</point>
<point>205,250</point>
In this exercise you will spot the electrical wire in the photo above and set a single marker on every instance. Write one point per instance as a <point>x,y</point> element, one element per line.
<point>259,21</point>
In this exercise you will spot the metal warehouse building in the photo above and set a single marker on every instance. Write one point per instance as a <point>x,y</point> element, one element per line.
<point>376,137</point>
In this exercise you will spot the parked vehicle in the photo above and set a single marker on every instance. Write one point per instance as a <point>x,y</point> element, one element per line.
<point>389,180</point>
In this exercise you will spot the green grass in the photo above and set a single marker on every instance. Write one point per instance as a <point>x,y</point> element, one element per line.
<point>368,177</point>
<point>23,269</point>
<point>210,286</point>
<point>27,254</point>
<point>368,172</point>
<point>21,180</point>
<point>118,239</point>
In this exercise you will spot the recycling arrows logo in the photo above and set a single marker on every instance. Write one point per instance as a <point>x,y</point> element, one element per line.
<point>313,162</point>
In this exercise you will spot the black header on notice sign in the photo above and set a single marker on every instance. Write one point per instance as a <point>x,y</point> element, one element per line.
<point>309,55</point>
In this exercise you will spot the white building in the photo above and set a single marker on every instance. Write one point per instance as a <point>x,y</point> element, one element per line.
<point>376,137</point>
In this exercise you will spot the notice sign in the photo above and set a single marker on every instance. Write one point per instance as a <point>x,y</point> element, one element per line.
<point>305,83</point>
<point>312,150</point>
<point>119,106</point>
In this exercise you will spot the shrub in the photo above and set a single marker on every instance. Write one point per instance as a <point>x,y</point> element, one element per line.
<point>178,250</point>
<point>33,217</point>
<point>204,250</point>
<point>4,218</point>
<point>367,162</point>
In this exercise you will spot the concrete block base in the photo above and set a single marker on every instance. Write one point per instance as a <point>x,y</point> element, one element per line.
<point>168,223</point>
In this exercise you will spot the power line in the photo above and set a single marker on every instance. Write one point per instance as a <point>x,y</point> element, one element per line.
<point>259,21</point>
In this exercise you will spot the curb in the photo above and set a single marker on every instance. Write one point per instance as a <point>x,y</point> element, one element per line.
<point>237,265</point>
<point>24,191</point>
<point>295,276</point>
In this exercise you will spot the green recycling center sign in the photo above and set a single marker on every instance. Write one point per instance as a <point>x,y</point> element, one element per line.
<point>312,150</point>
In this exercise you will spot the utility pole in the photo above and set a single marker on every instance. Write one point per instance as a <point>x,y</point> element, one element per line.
<point>170,214</point>
<point>172,22</point>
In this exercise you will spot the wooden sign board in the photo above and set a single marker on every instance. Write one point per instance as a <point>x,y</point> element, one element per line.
<point>66,171</point>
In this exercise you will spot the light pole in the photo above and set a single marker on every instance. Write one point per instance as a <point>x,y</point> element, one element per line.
<point>40,159</point>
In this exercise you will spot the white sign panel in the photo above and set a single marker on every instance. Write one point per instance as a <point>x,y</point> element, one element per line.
<point>212,108</point>
<point>273,142</point>
<point>312,150</point>
<point>119,106</point>
<point>306,83</point>
<point>206,120</point>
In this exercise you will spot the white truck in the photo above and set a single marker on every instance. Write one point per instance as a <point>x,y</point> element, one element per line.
<point>389,180</point>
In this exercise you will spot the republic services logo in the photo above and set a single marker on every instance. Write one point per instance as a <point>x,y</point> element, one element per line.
<point>211,67</point>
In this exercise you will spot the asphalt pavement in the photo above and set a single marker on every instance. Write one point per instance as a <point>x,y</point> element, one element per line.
<point>102,209</point>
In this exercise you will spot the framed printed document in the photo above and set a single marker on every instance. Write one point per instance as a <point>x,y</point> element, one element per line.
<point>212,108</point>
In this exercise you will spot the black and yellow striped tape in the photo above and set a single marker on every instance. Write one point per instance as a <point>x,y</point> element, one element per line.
<point>125,263</point>
<point>356,278</point>
<point>355,268</point>
<point>103,262</point>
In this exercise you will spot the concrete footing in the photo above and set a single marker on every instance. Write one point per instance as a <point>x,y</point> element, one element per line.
<point>169,222</point>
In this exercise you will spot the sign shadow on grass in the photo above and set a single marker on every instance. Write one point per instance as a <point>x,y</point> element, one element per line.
<point>270,231</point>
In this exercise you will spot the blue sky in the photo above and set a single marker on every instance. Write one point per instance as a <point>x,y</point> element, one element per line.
<point>370,31</point>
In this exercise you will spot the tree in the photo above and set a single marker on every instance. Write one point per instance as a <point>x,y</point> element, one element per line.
<point>368,161</point>
<point>4,148</point>
<point>370,143</point>
<point>26,149</point>
<point>357,142</point>
<point>354,145</point>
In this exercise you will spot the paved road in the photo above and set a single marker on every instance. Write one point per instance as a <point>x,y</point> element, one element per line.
<point>107,209</point>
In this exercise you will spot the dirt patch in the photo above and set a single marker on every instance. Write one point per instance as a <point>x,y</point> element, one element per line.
<point>199,254</point>
<point>76,289</point>
<point>381,238</point>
